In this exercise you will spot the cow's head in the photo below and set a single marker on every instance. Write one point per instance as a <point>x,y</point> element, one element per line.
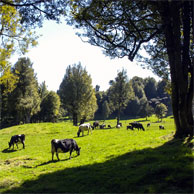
<point>78,133</point>
<point>78,150</point>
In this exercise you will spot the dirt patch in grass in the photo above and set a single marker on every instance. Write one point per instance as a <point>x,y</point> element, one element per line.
<point>14,162</point>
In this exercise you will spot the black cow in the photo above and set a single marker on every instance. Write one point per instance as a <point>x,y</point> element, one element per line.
<point>102,126</point>
<point>17,139</point>
<point>129,127</point>
<point>137,125</point>
<point>63,146</point>
<point>96,124</point>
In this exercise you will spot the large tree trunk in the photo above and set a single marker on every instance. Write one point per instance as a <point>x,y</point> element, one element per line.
<point>180,62</point>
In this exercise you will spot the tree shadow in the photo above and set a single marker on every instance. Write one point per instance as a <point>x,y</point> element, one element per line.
<point>165,169</point>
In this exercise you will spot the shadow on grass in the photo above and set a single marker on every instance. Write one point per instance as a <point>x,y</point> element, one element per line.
<point>54,161</point>
<point>165,169</point>
<point>7,150</point>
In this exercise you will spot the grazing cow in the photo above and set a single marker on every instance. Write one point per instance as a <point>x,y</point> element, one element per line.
<point>148,125</point>
<point>109,126</point>
<point>118,126</point>
<point>96,124</point>
<point>161,127</point>
<point>17,139</point>
<point>129,127</point>
<point>63,146</point>
<point>84,127</point>
<point>102,126</point>
<point>137,125</point>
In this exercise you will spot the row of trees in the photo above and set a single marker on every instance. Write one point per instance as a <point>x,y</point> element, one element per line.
<point>28,101</point>
<point>137,97</point>
<point>31,102</point>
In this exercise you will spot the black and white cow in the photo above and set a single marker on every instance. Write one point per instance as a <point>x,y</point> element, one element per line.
<point>161,127</point>
<point>102,126</point>
<point>84,127</point>
<point>129,127</point>
<point>63,146</point>
<point>17,139</point>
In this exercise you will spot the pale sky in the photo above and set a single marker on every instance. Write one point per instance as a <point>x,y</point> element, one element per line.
<point>59,47</point>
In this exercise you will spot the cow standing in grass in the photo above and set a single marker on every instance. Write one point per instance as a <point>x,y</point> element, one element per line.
<point>161,127</point>
<point>17,139</point>
<point>84,127</point>
<point>96,124</point>
<point>137,125</point>
<point>63,146</point>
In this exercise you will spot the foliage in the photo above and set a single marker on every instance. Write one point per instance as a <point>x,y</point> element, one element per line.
<point>150,87</point>
<point>160,111</point>
<point>122,159</point>
<point>105,110</point>
<point>49,107</point>
<point>25,98</point>
<point>12,37</point>
<point>122,28</point>
<point>18,20</point>
<point>77,94</point>
<point>119,92</point>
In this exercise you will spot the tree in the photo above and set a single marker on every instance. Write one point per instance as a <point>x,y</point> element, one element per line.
<point>18,19</point>
<point>49,107</point>
<point>145,109</point>
<point>122,28</point>
<point>105,110</point>
<point>160,111</point>
<point>150,88</point>
<point>77,94</point>
<point>24,99</point>
<point>12,37</point>
<point>119,93</point>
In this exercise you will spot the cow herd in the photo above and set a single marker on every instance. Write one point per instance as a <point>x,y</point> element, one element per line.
<point>70,145</point>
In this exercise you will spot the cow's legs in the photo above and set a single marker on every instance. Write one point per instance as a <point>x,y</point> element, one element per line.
<point>52,155</point>
<point>70,153</point>
<point>57,155</point>
<point>23,145</point>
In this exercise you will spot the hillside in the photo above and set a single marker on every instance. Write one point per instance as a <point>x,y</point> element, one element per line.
<point>111,160</point>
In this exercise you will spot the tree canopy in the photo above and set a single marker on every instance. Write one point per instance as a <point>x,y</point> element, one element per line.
<point>18,20</point>
<point>77,94</point>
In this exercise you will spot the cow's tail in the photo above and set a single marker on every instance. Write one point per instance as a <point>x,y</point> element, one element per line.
<point>52,146</point>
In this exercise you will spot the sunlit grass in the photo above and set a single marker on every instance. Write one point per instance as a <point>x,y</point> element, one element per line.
<point>111,160</point>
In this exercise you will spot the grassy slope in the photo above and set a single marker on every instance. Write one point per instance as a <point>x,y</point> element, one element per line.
<point>111,161</point>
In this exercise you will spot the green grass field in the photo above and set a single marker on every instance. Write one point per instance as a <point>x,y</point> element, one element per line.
<point>111,160</point>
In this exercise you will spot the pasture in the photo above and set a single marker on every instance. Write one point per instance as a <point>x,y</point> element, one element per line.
<point>111,160</point>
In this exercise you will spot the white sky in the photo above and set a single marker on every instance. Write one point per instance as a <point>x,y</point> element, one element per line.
<point>59,47</point>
